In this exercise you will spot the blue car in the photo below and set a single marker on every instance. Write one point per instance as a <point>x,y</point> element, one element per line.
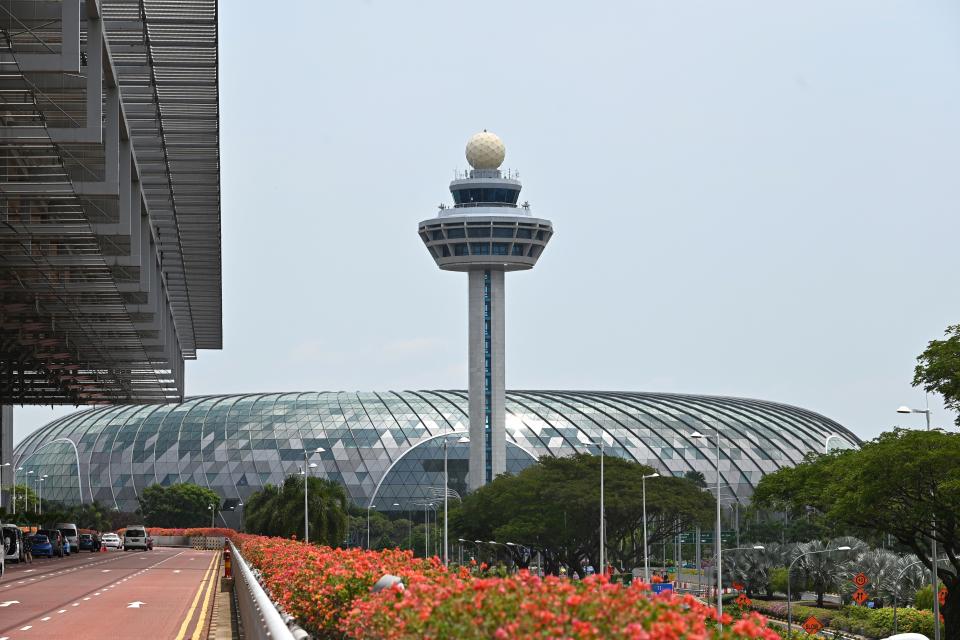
<point>87,542</point>
<point>41,546</point>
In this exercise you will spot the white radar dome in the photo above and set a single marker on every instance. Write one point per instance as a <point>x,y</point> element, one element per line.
<point>485,150</point>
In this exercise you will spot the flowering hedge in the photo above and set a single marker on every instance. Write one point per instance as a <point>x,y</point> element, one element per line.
<point>328,592</point>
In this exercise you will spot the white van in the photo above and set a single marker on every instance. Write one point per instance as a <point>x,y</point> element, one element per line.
<point>70,535</point>
<point>12,543</point>
<point>135,537</point>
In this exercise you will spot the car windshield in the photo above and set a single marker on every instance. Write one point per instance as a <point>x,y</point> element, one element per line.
<point>86,536</point>
<point>40,539</point>
<point>68,532</point>
<point>135,533</point>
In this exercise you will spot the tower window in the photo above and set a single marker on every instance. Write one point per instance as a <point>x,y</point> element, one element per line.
<point>525,233</point>
<point>541,234</point>
<point>517,250</point>
<point>446,251</point>
<point>456,232</point>
<point>478,232</point>
<point>479,248</point>
<point>500,248</point>
<point>503,232</point>
<point>436,234</point>
<point>460,249</point>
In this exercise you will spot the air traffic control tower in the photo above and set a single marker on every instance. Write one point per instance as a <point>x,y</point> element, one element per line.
<point>485,234</point>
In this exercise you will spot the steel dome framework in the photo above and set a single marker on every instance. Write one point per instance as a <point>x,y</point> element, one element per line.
<point>235,444</point>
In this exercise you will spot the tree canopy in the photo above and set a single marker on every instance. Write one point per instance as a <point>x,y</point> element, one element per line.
<point>938,369</point>
<point>278,511</point>
<point>554,506</point>
<point>897,484</point>
<point>179,505</point>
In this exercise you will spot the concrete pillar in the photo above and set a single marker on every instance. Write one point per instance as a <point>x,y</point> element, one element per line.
<point>476,363</point>
<point>498,431</point>
<point>6,454</point>
<point>486,379</point>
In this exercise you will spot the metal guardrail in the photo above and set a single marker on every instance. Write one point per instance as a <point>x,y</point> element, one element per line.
<point>259,615</point>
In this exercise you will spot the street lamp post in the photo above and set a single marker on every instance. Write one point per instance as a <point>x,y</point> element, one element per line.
<point>826,442</point>
<point>646,547</point>
<point>585,440</point>
<point>40,494</point>
<point>369,506</point>
<point>15,489</point>
<point>896,589</point>
<point>213,514</point>
<point>718,541</point>
<point>789,569</point>
<point>934,579</point>
<point>446,493</point>
<point>307,465</point>
<point>26,496</point>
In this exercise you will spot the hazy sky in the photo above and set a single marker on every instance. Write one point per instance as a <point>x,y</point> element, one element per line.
<point>750,198</point>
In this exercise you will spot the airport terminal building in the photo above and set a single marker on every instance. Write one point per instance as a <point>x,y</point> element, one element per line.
<point>386,448</point>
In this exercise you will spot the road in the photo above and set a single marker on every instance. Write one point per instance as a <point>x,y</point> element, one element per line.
<point>165,593</point>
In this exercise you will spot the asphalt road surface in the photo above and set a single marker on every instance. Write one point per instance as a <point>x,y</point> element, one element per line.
<point>165,594</point>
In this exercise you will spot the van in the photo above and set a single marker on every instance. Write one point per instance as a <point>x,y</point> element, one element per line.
<point>12,543</point>
<point>70,535</point>
<point>135,537</point>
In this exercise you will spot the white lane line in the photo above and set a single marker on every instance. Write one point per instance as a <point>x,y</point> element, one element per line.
<point>62,611</point>
<point>75,604</point>
<point>26,628</point>
<point>44,619</point>
<point>87,598</point>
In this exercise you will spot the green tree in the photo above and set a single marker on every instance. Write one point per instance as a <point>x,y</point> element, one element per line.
<point>938,369</point>
<point>897,484</point>
<point>178,505</point>
<point>555,506</point>
<point>278,511</point>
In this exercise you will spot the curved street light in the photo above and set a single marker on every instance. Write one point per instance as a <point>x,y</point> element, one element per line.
<point>934,579</point>
<point>646,546</point>
<point>790,567</point>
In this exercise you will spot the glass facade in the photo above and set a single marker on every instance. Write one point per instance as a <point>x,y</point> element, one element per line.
<point>235,444</point>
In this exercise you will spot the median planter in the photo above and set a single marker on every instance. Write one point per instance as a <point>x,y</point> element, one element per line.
<point>328,592</point>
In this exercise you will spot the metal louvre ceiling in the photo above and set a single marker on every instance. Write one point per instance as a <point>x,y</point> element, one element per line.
<point>110,260</point>
<point>165,53</point>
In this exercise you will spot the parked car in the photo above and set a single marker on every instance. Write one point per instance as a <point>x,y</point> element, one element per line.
<point>135,537</point>
<point>12,543</point>
<point>70,535</point>
<point>87,542</point>
<point>42,546</point>
<point>56,541</point>
<point>111,540</point>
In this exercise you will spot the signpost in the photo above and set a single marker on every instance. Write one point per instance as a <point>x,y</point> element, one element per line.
<point>812,626</point>
<point>860,596</point>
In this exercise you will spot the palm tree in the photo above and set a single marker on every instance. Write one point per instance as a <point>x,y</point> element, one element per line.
<point>824,569</point>
<point>278,511</point>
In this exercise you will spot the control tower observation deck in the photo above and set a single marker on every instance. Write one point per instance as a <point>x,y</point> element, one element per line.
<point>486,233</point>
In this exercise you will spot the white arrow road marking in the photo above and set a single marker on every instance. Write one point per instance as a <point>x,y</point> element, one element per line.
<point>176,570</point>
<point>9,602</point>
<point>135,605</point>
<point>105,570</point>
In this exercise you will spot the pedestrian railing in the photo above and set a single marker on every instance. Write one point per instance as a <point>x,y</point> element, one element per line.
<point>259,615</point>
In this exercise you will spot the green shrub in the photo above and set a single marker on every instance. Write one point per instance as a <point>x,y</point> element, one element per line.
<point>878,623</point>
<point>924,599</point>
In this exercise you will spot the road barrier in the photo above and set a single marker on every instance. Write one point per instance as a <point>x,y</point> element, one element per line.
<point>204,543</point>
<point>260,616</point>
